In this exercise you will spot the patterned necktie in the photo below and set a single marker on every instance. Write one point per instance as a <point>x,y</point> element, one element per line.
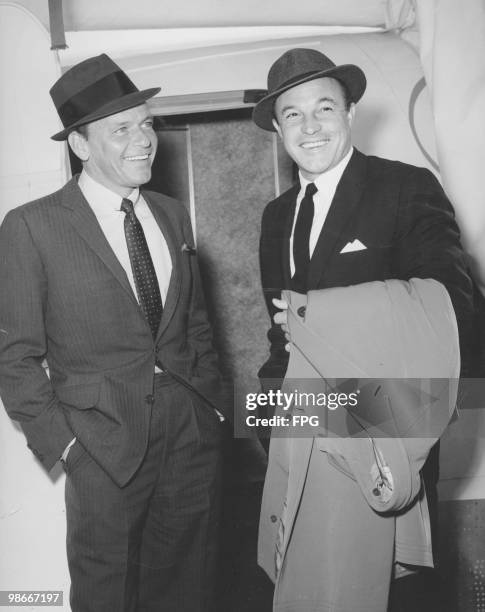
<point>301,239</point>
<point>144,274</point>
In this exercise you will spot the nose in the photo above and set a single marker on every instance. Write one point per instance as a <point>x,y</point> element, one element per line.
<point>310,124</point>
<point>142,138</point>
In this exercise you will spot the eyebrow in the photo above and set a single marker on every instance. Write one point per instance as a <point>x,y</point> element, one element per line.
<point>122,123</point>
<point>324,99</point>
<point>328,99</point>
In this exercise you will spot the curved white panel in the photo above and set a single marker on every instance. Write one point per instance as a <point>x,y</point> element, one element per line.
<point>383,125</point>
<point>113,14</point>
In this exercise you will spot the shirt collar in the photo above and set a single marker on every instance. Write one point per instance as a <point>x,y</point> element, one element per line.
<point>102,200</point>
<point>328,181</point>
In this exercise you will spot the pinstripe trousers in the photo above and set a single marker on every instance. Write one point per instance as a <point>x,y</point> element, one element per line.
<point>151,545</point>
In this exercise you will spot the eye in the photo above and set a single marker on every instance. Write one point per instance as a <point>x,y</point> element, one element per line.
<point>121,130</point>
<point>148,123</point>
<point>326,108</point>
<point>291,115</point>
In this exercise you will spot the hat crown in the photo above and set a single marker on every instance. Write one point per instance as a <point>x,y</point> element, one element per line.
<point>84,75</point>
<point>296,64</point>
<point>94,89</point>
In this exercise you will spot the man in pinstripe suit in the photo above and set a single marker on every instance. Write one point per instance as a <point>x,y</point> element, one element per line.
<point>128,401</point>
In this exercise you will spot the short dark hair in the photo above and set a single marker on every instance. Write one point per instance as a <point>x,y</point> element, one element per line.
<point>82,129</point>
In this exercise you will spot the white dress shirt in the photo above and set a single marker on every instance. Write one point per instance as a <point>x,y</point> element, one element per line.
<point>326,184</point>
<point>106,206</point>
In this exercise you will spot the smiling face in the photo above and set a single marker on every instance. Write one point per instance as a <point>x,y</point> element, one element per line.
<point>314,125</point>
<point>118,151</point>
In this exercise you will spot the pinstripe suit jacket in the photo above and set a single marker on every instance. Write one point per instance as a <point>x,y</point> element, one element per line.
<point>66,298</point>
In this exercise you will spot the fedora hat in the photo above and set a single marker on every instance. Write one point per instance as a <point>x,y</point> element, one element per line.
<point>93,89</point>
<point>298,66</point>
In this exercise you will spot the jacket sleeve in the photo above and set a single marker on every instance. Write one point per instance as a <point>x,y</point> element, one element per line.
<point>427,241</point>
<point>272,283</point>
<point>25,387</point>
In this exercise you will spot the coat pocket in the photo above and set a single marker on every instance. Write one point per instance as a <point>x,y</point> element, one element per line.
<point>82,395</point>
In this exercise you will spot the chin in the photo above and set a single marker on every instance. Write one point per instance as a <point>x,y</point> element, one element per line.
<point>315,166</point>
<point>141,178</point>
<point>314,172</point>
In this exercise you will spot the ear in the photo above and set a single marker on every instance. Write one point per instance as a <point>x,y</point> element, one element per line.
<point>351,113</point>
<point>79,145</point>
<point>276,126</point>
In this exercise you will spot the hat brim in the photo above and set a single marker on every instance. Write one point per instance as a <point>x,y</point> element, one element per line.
<point>349,74</point>
<point>116,106</point>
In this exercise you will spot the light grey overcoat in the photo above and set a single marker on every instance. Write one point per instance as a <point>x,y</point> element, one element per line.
<point>339,511</point>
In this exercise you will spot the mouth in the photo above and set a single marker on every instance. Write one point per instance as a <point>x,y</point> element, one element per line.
<point>315,144</point>
<point>137,157</point>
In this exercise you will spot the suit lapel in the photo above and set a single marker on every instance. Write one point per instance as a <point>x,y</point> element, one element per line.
<point>346,198</point>
<point>168,230</point>
<point>290,207</point>
<point>85,223</point>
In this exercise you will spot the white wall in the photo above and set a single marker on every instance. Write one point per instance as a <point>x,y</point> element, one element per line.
<point>32,518</point>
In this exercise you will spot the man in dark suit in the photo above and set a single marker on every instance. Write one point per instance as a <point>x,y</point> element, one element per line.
<point>351,218</point>
<point>100,280</point>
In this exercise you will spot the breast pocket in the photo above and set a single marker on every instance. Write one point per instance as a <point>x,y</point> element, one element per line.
<point>362,266</point>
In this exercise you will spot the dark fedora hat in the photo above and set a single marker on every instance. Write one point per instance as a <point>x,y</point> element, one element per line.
<point>298,66</point>
<point>93,89</point>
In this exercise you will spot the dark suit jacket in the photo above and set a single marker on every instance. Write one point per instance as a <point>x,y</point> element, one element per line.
<point>399,212</point>
<point>66,298</point>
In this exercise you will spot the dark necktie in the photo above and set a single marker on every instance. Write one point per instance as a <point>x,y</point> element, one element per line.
<point>301,239</point>
<point>142,267</point>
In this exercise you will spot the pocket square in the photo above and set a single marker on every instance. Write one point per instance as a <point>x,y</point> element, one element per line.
<point>355,245</point>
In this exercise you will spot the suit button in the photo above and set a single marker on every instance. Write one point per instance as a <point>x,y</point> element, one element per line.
<point>301,311</point>
<point>149,399</point>
<point>38,454</point>
<point>273,518</point>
